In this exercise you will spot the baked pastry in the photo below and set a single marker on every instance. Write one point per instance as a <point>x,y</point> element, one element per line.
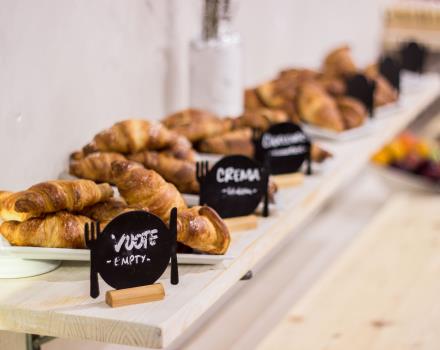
<point>53,196</point>
<point>234,142</point>
<point>109,209</point>
<point>202,228</point>
<point>319,154</point>
<point>335,86</point>
<point>131,136</point>
<point>94,166</point>
<point>318,108</point>
<point>352,111</point>
<point>196,124</point>
<point>251,100</point>
<point>181,173</point>
<point>199,228</point>
<point>261,118</point>
<point>384,92</point>
<point>7,208</point>
<point>339,63</point>
<point>59,230</point>
<point>145,187</point>
<point>279,94</point>
<point>181,148</point>
<point>298,76</point>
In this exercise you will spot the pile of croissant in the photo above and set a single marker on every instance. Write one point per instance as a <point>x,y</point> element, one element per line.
<point>53,214</point>
<point>318,98</point>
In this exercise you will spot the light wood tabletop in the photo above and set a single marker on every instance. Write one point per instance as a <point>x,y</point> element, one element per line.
<point>57,303</point>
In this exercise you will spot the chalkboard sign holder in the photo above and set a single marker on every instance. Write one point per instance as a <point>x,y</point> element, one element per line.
<point>413,56</point>
<point>390,69</point>
<point>362,88</point>
<point>234,186</point>
<point>272,148</point>
<point>134,250</point>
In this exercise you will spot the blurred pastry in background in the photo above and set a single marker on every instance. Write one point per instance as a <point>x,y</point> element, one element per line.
<point>339,63</point>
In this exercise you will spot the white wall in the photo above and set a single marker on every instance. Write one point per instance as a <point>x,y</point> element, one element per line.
<point>71,67</point>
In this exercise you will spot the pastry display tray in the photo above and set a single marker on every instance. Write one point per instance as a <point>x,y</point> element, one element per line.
<point>37,253</point>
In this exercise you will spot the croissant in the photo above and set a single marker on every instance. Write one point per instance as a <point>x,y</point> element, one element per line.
<point>140,186</point>
<point>109,209</point>
<point>251,100</point>
<point>279,94</point>
<point>197,124</point>
<point>181,173</point>
<point>234,142</point>
<point>353,111</point>
<point>7,208</point>
<point>94,166</point>
<point>319,154</point>
<point>181,148</point>
<point>52,196</point>
<point>59,230</point>
<point>339,63</point>
<point>384,92</point>
<point>261,118</point>
<point>201,228</point>
<point>318,108</point>
<point>131,136</point>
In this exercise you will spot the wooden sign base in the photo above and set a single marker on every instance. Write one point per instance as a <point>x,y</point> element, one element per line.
<point>242,223</point>
<point>288,180</point>
<point>136,295</point>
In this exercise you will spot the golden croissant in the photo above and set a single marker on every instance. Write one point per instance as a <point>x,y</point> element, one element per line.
<point>339,63</point>
<point>261,118</point>
<point>181,173</point>
<point>145,187</point>
<point>318,108</point>
<point>131,136</point>
<point>53,196</point>
<point>59,230</point>
<point>352,111</point>
<point>234,142</point>
<point>109,209</point>
<point>201,228</point>
<point>7,208</point>
<point>94,166</point>
<point>197,124</point>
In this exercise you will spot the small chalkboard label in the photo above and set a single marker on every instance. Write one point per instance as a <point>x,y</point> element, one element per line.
<point>390,69</point>
<point>234,186</point>
<point>133,250</point>
<point>283,148</point>
<point>413,56</point>
<point>362,88</point>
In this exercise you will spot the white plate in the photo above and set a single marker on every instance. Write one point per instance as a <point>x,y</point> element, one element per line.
<point>36,253</point>
<point>351,134</point>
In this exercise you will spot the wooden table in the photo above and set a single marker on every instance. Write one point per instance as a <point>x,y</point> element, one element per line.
<point>382,293</point>
<point>57,303</point>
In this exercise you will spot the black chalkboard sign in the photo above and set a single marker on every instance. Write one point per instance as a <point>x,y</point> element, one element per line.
<point>283,148</point>
<point>234,186</point>
<point>133,250</point>
<point>390,69</point>
<point>413,56</point>
<point>362,88</point>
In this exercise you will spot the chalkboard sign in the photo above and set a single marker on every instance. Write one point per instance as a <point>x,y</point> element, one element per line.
<point>283,148</point>
<point>413,56</point>
<point>133,250</point>
<point>362,88</point>
<point>390,69</point>
<point>234,186</point>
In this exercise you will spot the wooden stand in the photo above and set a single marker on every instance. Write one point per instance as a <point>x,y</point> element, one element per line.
<point>242,223</point>
<point>136,295</point>
<point>288,180</point>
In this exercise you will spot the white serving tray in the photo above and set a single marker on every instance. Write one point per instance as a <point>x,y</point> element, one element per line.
<point>54,254</point>
<point>37,253</point>
<point>355,133</point>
